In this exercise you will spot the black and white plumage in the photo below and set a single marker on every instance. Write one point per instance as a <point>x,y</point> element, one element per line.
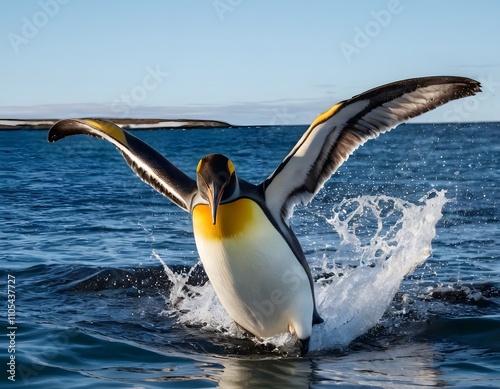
<point>230,214</point>
<point>338,132</point>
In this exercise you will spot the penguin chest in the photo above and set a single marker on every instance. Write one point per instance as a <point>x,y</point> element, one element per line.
<point>254,272</point>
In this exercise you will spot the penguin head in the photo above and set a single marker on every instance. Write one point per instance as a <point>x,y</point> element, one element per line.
<point>217,181</point>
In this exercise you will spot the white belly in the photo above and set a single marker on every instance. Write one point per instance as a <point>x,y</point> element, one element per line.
<point>255,274</point>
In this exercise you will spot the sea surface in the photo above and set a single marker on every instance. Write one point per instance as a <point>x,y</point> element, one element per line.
<point>102,286</point>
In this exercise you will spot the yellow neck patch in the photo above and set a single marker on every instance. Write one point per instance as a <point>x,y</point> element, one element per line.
<point>232,219</point>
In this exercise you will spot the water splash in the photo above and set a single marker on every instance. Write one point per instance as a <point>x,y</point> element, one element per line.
<point>382,240</point>
<point>372,264</point>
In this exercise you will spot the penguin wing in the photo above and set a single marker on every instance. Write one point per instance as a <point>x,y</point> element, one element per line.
<point>336,133</point>
<point>151,167</point>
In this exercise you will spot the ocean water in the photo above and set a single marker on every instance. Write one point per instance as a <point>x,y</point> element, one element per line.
<point>403,243</point>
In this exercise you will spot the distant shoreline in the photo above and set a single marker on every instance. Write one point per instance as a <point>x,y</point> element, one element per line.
<point>129,124</point>
<point>167,124</point>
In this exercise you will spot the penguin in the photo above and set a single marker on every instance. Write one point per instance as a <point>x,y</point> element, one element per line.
<point>242,232</point>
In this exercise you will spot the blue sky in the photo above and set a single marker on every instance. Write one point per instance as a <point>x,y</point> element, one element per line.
<point>242,61</point>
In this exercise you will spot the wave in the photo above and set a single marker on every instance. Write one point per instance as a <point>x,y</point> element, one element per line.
<point>382,239</point>
<point>354,286</point>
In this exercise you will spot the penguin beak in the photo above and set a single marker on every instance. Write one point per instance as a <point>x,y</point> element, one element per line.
<point>215,192</point>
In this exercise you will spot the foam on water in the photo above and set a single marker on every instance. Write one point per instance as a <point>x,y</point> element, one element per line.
<point>372,264</point>
<point>382,240</point>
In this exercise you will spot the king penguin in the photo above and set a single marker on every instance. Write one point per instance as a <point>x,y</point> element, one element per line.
<point>251,255</point>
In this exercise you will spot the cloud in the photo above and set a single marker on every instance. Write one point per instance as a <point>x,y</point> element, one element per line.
<point>279,112</point>
<point>276,112</point>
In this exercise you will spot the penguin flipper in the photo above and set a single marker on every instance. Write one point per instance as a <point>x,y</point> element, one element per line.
<point>336,133</point>
<point>151,167</point>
